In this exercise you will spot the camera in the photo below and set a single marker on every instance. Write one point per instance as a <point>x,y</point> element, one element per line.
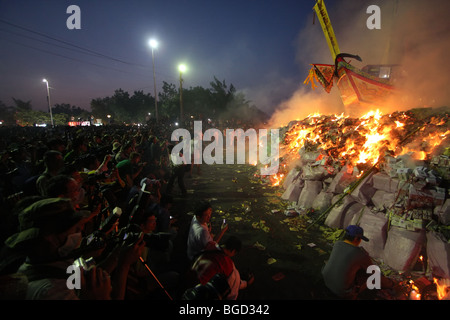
<point>216,289</point>
<point>93,242</point>
<point>129,235</point>
<point>85,264</point>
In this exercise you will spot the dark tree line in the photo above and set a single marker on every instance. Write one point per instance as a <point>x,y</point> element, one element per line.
<point>219,102</point>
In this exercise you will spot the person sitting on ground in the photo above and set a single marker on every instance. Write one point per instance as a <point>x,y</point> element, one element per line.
<point>345,272</point>
<point>200,230</point>
<point>217,260</point>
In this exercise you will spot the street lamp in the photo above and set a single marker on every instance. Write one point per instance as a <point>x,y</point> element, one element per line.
<point>154,44</point>
<point>182,69</point>
<point>48,100</point>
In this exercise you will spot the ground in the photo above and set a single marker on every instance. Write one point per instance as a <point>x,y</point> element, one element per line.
<point>284,258</point>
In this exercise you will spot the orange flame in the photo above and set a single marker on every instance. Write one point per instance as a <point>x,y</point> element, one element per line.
<point>442,288</point>
<point>414,294</point>
<point>361,141</point>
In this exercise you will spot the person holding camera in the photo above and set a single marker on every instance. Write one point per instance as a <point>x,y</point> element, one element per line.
<point>49,234</point>
<point>218,260</point>
<point>152,272</point>
<point>129,169</point>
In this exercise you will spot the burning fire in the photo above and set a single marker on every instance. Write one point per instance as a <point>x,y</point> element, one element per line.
<point>364,140</point>
<point>442,288</point>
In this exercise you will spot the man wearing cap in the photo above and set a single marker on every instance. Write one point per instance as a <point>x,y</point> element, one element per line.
<point>347,262</point>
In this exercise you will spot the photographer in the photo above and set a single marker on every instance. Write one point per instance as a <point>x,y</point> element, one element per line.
<point>141,281</point>
<point>50,232</point>
<point>130,169</point>
<point>217,260</point>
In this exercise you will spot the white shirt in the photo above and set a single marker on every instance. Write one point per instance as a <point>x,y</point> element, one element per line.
<point>198,238</point>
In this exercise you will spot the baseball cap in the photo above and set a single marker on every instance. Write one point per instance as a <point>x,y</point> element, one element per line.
<point>46,215</point>
<point>356,231</point>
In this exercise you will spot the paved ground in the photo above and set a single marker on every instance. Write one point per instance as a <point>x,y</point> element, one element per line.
<point>285,260</point>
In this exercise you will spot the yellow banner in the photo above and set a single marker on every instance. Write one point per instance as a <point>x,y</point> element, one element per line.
<point>325,22</point>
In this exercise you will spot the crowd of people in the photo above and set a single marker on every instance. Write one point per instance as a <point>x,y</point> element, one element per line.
<point>101,199</point>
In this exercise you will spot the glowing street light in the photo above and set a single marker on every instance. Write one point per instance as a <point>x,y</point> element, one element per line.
<point>154,44</point>
<point>48,101</point>
<point>182,68</point>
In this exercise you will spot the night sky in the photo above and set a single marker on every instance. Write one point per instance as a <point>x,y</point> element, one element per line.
<point>261,47</point>
<point>246,43</point>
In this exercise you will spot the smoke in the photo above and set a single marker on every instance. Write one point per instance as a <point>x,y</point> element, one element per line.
<point>414,34</point>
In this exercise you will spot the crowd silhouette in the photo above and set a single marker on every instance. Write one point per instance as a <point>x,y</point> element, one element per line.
<point>100,199</point>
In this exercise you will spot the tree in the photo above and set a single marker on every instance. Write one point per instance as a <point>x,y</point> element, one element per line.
<point>22,105</point>
<point>6,114</point>
<point>221,95</point>
<point>141,105</point>
<point>169,100</point>
<point>198,102</point>
<point>100,107</point>
<point>32,117</point>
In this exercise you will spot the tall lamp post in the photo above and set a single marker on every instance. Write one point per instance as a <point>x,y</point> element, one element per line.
<point>154,44</point>
<point>48,101</point>
<point>182,69</point>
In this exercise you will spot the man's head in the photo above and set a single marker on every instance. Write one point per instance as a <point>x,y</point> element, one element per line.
<point>64,186</point>
<point>80,144</point>
<point>53,160</point>
<point>232,246</point>
<point>47,230</point>
<point>135,157</point>
<point>146,220</point>
<point>355,234</point>
<point>203,211</point>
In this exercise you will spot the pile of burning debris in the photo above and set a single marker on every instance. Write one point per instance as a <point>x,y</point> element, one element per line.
<point>387,173</point>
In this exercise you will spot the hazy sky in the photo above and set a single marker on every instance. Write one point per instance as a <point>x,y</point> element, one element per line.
<point>262,47</point>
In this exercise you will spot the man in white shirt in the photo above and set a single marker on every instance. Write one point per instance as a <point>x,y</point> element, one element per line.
<point>200,231</point>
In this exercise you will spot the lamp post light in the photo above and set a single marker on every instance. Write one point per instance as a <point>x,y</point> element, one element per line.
<point>154,44</point>
<point>182,69</point>
<point>48,101</point>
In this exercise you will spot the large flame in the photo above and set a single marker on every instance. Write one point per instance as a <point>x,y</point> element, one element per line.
<point>363,140</point>
<point>442,288</point>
